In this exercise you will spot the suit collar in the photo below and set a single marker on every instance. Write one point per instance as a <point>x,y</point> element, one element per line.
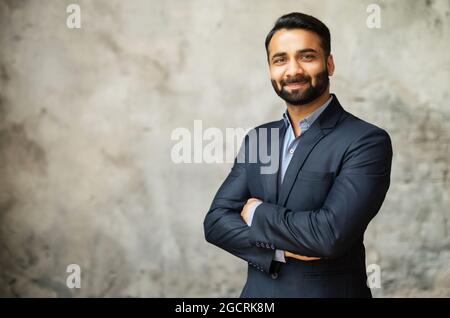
<point>310,119</point>
<point>321,127</point>
<point>330,116</point>
<point>324,124</point>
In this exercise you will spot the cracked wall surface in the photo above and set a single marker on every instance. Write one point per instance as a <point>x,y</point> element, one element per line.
<point>86,117</point>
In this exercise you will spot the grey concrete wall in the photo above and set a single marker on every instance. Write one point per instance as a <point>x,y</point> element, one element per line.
<point>86,116</point>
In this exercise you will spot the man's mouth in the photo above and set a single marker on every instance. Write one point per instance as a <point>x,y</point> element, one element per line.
<point>296,85</point>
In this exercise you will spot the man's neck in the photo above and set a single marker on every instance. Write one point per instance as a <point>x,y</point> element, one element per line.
<point>298,113</point>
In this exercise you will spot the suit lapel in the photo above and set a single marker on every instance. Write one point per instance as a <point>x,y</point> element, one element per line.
<point>270,181</point>
<point>305,145</point>
<point>322,126</point>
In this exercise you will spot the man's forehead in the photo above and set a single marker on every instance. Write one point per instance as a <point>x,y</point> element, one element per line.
<point>294,40</point>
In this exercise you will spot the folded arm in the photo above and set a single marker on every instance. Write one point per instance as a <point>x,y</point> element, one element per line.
<point>354,199</point>
<point>224,226</point>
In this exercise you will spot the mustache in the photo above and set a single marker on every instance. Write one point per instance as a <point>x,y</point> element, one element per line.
<point>298,79</point>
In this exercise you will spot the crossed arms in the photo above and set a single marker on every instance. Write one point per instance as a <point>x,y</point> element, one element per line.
<point>328,232</point>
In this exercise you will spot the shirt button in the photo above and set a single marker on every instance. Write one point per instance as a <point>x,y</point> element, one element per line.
<point>291,151</point>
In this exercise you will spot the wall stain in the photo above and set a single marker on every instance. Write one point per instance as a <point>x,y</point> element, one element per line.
<point>18,151</point>
<point>15,4</point>
<point>4,74</point>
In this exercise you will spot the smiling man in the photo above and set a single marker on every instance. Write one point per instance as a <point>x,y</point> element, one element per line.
<point>301,229</point>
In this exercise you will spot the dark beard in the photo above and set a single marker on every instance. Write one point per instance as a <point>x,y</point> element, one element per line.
<point>298,97</point>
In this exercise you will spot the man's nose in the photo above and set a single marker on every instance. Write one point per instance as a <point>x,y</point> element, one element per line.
<point>294,68</point>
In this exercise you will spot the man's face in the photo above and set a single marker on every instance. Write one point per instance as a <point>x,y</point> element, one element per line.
<point>298,67</point>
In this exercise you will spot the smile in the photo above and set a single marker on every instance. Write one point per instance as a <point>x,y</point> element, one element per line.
<point>296,85</point>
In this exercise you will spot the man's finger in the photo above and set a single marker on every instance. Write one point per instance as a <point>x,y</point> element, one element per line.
<point>301,257</point>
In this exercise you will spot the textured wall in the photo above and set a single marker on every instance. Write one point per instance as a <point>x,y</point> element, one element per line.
<point>86,116</point>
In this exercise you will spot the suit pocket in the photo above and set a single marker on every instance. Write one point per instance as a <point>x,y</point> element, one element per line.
<point>310,190</point>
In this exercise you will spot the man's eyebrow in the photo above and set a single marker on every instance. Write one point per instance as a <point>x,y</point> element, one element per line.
<point>308,50</point>
<point>303,51</point>
<point>279,54</point>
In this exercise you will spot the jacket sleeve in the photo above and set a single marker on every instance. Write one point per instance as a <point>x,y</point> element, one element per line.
<point>224,226</point>
<point>354,199</point>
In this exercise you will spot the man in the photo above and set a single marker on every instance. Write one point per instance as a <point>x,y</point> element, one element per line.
<point>301,228</point>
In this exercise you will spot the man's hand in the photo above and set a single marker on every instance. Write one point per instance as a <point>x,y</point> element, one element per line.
<point>300,257</point>
<point>245,209</point>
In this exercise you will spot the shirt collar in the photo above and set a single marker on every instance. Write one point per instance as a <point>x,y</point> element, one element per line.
<point>310,119</point>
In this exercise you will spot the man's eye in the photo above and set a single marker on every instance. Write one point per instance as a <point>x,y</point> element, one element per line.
<point>277,61</point>
<point>307,57</point>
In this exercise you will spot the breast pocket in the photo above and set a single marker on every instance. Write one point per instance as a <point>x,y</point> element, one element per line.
<point>310,189</point>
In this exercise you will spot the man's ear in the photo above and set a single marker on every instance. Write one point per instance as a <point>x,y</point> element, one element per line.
<point>330,65</point>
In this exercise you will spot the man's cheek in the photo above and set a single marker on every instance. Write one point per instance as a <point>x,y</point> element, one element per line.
<point>278,84</point>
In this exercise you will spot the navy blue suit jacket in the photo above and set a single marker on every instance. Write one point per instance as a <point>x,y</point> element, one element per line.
<point>335,184</point>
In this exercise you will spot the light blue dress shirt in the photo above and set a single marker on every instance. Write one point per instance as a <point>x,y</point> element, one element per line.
<point>290,143</point>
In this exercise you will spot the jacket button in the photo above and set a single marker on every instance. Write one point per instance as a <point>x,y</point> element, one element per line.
<point>274,275</point>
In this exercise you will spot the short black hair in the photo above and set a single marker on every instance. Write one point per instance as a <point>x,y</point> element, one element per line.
<point>297,20</point>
